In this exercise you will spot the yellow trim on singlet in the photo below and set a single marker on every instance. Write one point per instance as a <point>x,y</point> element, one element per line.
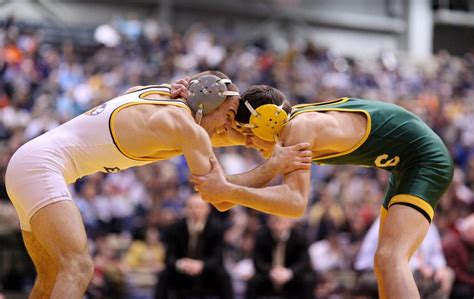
<point>177,103</point>
<point>383,216</point>
<point>355,147</point>
<point>414,200</point>
<point>161,86</point>
<point>147,93</point>
<point>330,102</point>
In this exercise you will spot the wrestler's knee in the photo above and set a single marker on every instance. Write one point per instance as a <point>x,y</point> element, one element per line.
<point>78,265</point>
<point>387,258</point>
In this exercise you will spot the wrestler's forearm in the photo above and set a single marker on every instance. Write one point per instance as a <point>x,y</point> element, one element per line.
<point>278,200</point>
<point>257,177</point>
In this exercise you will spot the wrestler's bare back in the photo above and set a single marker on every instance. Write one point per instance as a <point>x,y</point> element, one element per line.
<point>135,127</point>
<point>329,132</point>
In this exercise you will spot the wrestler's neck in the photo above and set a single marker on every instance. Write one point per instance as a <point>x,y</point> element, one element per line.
<point>207,124</point>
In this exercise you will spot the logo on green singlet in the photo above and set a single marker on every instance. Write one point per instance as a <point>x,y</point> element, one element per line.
<point>385,161</point>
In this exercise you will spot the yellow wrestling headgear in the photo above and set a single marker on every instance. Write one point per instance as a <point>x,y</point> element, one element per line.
<point>267,121</point>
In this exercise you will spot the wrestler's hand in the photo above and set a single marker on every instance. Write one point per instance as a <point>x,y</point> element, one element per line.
<point>213,185</point>
<point>179,89</point>
<point>291,158</point>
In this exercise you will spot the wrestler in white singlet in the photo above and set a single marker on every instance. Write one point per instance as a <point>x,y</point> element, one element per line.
<point>40,170</point>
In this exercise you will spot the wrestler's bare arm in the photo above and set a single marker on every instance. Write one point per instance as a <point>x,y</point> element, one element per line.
<point>175,129</point>
<point>288,199</point>
<point>286,159</point>
<point>283,160</point>
<point>178,129</point>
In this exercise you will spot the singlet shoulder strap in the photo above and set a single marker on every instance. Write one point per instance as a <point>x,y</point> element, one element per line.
<point>298,109</point>
<point>162,89</point>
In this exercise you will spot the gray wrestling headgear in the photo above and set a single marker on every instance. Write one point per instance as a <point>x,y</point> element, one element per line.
<point>206,94</point>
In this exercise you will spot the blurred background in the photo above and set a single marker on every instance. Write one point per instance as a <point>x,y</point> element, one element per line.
<point>60,58</point>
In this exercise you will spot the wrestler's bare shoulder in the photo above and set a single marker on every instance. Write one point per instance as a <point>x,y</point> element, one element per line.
<point>149,117</point>
<point>304,125</point>
<point>152,130</point>
<point>329,132</point>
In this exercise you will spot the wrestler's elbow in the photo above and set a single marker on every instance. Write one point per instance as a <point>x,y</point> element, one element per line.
<point>223,206</point>
<point>298,211</point>
<point>297,205</point>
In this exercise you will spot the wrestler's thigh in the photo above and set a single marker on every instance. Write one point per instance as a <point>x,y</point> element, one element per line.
<point>59,229</point>
<point>45,265</point>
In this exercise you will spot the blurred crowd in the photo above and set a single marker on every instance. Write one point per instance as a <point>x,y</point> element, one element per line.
<point>150,235</point>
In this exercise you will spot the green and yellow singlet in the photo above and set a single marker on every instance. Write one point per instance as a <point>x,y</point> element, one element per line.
<point>398,141</point>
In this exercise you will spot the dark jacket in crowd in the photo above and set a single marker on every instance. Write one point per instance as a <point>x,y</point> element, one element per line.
<point>213,281</point>
<point>296,259</point>
<point>460,257</point>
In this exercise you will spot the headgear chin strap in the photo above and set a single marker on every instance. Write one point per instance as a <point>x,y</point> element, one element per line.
<point>206,93</point>
<point>267,121</point>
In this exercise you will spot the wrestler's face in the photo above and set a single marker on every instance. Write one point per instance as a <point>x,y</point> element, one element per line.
<point>251,140</point>
<point>220,120</point>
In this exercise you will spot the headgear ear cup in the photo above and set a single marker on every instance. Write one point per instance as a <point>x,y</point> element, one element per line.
<point>206,93</point>
<point>268,121</point>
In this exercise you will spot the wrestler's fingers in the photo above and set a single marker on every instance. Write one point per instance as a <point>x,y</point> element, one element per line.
<point>304,166</point>
<point>305,159</point>
<point>302,146</point>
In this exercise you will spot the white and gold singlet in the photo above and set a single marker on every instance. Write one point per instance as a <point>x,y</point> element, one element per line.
<point>39,171</point>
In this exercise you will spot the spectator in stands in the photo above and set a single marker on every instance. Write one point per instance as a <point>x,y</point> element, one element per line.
<point>470,173</point>
<point>240,244</point>
<point>86,203</point>
<point>324,213</point>
<point>108,279</point>
<point>240,264</point>
<point>281,262</point>
<point>194,256</point>
<point>329,258</point>
<point>143,260</point>
<point>459,251</point>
